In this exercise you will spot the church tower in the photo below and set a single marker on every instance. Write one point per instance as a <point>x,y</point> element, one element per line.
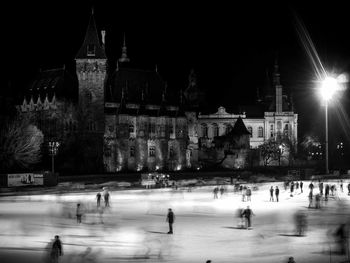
<point>91,71</point>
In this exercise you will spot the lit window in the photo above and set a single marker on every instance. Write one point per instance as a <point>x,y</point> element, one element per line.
<point>152,151</point>
<point>91,50</point>
<point>260,132</point>
<point>132,151</point>
<point>215,129</point>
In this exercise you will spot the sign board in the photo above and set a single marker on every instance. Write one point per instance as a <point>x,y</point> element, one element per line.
<point>25,179</point>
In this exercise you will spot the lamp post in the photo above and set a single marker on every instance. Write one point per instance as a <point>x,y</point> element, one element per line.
<point>53,149</point>
<point>328,88</point>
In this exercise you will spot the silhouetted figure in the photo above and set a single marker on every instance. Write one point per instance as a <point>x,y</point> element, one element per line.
<point>349,189</point>
<point>296,185</point>
<point>321,188</point>
<point>291,260</point>
<point>310,199</point>
<point>277,193</point>
<point>301,186</point>
<point>318,201</point>
<point>79,213</point>
<point>240,216</point>
<point>291,188</point>
<point>247,213</point>
<point>215,191</point>
<point>222,190</point>
<point>271,194</point>
<point>301,223</point>
<point>208,261</point>
<point>249,194</point>
<point>98,197</point>
<point>340,236</point>
<point>244,190</point>
<point>311,187</point>
<point>170,219</point>
<point>326,192</point>
<point>56,250</point>
<point>106,198</point>
<point>341,185</point>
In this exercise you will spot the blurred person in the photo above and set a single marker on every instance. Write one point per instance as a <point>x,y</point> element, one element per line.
<point>79,213</point>
<point>56,249</point>
<point>249,194</point>
<point>326,194</point>
<point>106,198</point>
<point>271,194</point>
<point>170,219</point>
<point>341,185</point>
<point>320,186</point>
<point>349,189</point>
<point>241,223</point>
<point>222,190</point>
<point>244,189</point>
<point>277,193</point>
<point>318,201</point>
<point>248,213</point>
<point>301,186</point>
<point>332,189</point>
<point>341,238</point>
<point>296,185</point>
<point>215,192</point>
<point>98,197</point>
<point>291,188</point>
<point>291,260</point>
<point>310,199</point>
<point>301,223</point>
<point>311,187</point>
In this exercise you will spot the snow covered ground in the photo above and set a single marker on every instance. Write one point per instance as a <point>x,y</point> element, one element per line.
<point>134,227</point>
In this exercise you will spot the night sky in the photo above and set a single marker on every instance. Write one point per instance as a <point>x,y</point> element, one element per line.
<point>229,45</point>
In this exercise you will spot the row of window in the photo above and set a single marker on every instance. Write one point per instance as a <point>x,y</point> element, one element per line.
<point>151,151</point>
<point>152,128</point>
<point>228,129</point>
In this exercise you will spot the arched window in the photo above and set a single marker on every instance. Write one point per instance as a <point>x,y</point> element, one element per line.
<point>260,132</point>
<point>215,130</point>
<point>228,128</point>
<point>152,151</point>
<point>204,130</point>
<point>250,129</point>
<point>286,129</point>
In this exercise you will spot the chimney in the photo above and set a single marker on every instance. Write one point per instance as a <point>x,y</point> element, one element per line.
<point>103,34</point>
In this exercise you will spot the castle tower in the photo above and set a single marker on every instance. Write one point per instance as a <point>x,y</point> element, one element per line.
<point>91,71</point>
<point>277,85</point>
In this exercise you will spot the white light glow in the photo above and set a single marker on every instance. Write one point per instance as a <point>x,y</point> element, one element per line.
<point>329,87</point>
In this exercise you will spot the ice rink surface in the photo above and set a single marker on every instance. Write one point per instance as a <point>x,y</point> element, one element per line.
<point>134,228</point>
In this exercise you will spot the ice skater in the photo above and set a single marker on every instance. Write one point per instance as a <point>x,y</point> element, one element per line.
<point>106,198</point>
<point>277,193</point>
<point>326,194</point>
<point>291,189</point>
<point>222,190</point>
<point>56,250</point>
<point>215,191</point>
<point>301,223</point>
<point>247,214</point>
<point>98,197</point>
<point>310,199</point>
<point>341,185</point>
<point>341,239</point>
<point>271,194</point>
<point>317,201</point>
<point>349,189</point>
<point>249,194</point>
<point>301,186</point>
<point>320,186</point>
<point>170,219</point>
<point>79,213</point>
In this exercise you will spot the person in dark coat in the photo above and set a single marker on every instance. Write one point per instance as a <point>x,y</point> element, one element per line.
<point>311,187</point>
<point>79,213</point>
<point>170,219</point>
<point>321,188</point>
<point>326,194</point>
<point>277,192</point>
<point>291,189</point>
<point>301,186</point>
<point>106,197</point>
<point>215,191</point>
<point>98,197</point>
<point>340,236</point>
<point>247,213</point>
<point>271,194</point>
<point>349,189</point>
<point>56,250</point>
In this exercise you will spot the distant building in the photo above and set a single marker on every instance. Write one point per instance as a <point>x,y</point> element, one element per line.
<point>128,120</point>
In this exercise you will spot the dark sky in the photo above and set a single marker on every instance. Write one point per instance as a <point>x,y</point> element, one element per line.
<point>229,45</point>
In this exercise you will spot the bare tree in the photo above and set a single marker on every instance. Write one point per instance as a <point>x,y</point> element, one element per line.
<point>20,144</point>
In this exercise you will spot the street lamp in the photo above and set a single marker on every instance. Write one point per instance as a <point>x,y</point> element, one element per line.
<point>53,149</point>
<point>328,88</point>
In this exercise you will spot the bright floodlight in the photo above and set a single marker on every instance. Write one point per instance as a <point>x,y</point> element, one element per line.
<point>328,88</point>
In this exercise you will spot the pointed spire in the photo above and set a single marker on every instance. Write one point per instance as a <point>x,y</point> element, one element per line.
<point>162,110</point>
<point>91,47</point>
<point>124,56</point>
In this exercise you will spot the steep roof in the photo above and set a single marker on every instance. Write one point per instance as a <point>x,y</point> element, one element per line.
<point>92,42</point>
<point>239,128</point>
